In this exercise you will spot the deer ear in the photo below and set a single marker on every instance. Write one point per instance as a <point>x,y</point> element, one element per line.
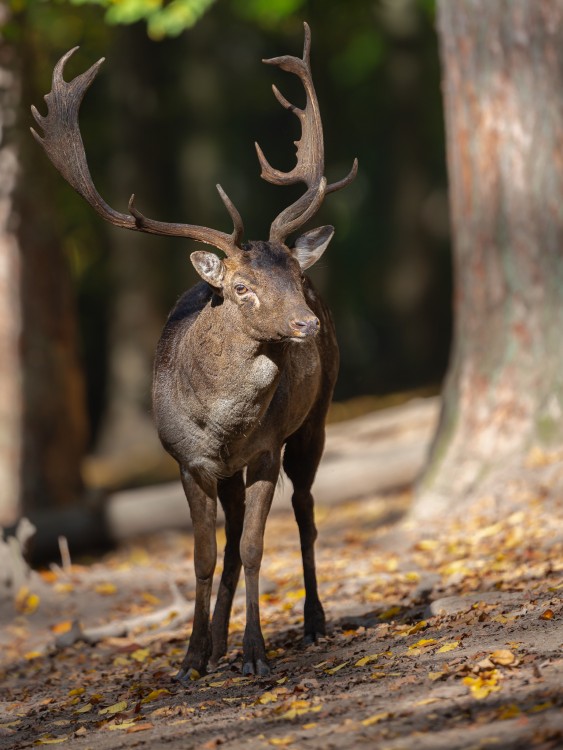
<point>310,246</point>
<point>209,267</point>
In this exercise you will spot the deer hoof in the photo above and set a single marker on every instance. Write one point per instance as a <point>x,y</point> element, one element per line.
<point>186,675</point>
<point>260,668</point>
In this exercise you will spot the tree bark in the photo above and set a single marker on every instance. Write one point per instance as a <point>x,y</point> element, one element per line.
<point>10,318</point>
<point>502,67</point>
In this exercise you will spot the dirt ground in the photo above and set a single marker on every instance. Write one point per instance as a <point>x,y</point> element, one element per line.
<point>452,640</point>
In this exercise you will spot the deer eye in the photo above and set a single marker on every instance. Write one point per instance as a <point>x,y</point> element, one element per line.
<point>241,289</point>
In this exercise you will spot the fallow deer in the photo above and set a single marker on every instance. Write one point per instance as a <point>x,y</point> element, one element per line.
<point>245,366</point>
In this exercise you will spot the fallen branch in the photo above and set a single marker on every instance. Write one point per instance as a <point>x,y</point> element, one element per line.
<point>175,614</point>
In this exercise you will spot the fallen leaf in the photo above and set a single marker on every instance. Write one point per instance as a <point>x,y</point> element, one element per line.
<point>367,660</point>
<point>422,643</point>
<point>84,709</point>
<point>448,647</point>
<point>484,684</point>
<point>281,741</point>
<point>155,695</point>
<point>30,655</point>
<point>375,719</point>
<point>26,602</point>
<point>547,615</point>
<point>503,657</point>
<point>115,709</point>
<point>334,670</point>
<point>49,739</point>
<point>389,613</point>
<point>539,707</point>
<point>105,588</point>
<point>508,712</point>
<point>125,725</point>
<point>141,654</point>
<point>76,691</point>
<point>140,727</point>
<point>150,598</point>
<point>61,627</point>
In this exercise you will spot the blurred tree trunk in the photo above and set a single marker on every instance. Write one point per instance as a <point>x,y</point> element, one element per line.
<point>10,323</point>
<point>54,421</point>
<point>503,399</point>
<point>128,445</point>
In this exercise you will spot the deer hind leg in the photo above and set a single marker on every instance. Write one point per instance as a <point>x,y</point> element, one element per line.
<point>302,455</point>
<point>231,494</point>
<point>203,509</point>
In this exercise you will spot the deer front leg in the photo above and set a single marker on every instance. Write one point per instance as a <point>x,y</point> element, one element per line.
<point>203,509</point>
<point>260,484</point>
<point>231,495</point>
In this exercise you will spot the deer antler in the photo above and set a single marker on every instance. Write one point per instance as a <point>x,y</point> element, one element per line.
<point>64,147</point>
<point>310,150</point>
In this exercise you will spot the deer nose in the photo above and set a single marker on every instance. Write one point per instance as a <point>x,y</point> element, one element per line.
<point>305,325</point>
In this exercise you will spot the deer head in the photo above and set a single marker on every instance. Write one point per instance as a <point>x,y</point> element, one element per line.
<point>261,280</point>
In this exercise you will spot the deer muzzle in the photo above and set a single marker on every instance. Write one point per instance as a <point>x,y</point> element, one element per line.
<point>305,325</point>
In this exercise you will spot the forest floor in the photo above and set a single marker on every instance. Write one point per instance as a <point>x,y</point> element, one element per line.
<point>447,640</point>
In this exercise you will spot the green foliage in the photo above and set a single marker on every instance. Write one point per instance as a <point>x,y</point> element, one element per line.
<point>266,12</point>
<point>164,19</point>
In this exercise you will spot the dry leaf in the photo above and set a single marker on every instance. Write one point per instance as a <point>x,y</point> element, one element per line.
<point>49,739</point>
<point>140,727</point>
<point>508,712</point>
<point>503,656</point>
<point>140,654</point>
<point>26,602</point>
<point>367,660</point>
<point>125,725</point>
<point>389,613</point>
<point>155,695</point>
<point>281,741</point>
<point>105,588</point>
<point>115,709</point>
<point>422,643</point>
<point>484,684</point>
<point>61,627</point>
<point>84,709</point>
<point>333,670</point>
<point>547,615</point>
<point>375,719</point>
<point>448,647</point>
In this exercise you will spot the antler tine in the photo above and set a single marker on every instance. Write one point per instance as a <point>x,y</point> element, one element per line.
<point>63,145</point>
<point>310,150</point>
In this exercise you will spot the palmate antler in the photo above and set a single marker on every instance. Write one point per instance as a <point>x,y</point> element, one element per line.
<point>310,151</point>
<point>64,147</point>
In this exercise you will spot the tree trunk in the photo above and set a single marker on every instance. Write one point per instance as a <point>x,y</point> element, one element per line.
<point>503,398</point>
<point>10,323</point>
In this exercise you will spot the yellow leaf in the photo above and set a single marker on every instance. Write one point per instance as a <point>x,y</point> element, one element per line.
<point>500,618</point>
<point>48,739</point>
<point>76,691</point>
<point>140,727</point>
<point>427,544</point>
<point>375,719</point>
<point>26,602</point>
<point>64,587</point>
<point>540,707</point>
<point>61,627</point>
<point>389,613</point>
<point>267,697</point>
<point>155,695</point>
<point>484,684</point>
<point>141,654</point>
<point>436,675</point>
<point>503,656</point>
<point>124,725</point>
<point>412,577</point>
<point>84,709</point>
<point>366,660</point>
<point>310,725</point>
<point>416,628</point>
<point>217,684</point>
<point>30,655</point>
<point>9,724</point>
<point>281,681</point>
<point>333,670</point>
<point>377,675</point>
<point>115,709</point>
<point>150,598</point>
<point>281,741</point>
<point>422,643</point>
<point>105,589</point>
<point>508,712</point>
<point>547,615</point>
<point>426,701</point>
<point>448,647</point>
<point>120,661</point>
